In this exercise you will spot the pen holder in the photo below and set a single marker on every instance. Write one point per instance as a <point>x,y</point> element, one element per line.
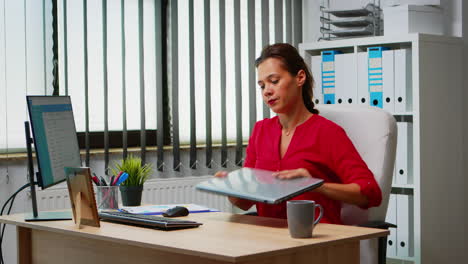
<point>107,197</point>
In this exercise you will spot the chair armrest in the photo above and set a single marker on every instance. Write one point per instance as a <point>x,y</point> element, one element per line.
<point>382,241</point>
<point>377,224</point>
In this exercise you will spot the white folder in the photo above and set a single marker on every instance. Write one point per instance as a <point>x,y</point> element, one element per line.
<point>392,219</point>
<point>351,79</point>
<point>316,68</point>
<point>345,78</point>
<point>388,77</point>
<point>340,79</point>
<point>403,81</point>
<point>404,153</point>
<point>405,237</point>
<point>363,78</point>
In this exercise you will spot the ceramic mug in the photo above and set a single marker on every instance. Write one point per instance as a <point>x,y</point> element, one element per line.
<point>301,215</point>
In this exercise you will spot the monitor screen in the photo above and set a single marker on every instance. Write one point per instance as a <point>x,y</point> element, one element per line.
<point>55,138</point>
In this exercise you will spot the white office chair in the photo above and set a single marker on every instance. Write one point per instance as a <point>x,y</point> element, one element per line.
<point>374,134</point>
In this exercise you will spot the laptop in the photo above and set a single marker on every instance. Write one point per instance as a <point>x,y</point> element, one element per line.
<point>259,185</point>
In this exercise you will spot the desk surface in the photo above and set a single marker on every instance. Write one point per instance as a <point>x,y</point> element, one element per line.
<point>223,236</point>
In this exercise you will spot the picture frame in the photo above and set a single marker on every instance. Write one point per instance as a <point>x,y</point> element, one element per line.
<point>82,197</point>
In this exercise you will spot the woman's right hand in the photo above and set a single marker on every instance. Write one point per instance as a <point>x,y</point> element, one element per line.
<point>241,203</point>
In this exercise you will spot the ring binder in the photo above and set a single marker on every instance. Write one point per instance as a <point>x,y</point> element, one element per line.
<point>328,76</point>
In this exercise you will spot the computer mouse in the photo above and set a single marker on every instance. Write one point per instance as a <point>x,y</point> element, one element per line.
<point>176,211</point>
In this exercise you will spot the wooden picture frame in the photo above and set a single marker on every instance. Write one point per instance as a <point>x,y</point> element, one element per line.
<point>82,197</point>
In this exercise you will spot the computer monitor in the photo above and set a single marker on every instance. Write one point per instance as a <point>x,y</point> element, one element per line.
<point>56,145</point>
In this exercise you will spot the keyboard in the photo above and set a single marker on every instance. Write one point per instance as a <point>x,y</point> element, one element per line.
<point>151,221</point>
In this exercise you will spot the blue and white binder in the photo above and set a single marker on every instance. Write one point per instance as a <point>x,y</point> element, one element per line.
<point>328,76</point>
<point>375,76</point>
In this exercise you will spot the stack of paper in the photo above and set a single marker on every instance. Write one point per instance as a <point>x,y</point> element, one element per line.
<point>159,209</point>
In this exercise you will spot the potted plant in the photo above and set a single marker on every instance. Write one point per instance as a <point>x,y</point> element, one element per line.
<point>132,188</point>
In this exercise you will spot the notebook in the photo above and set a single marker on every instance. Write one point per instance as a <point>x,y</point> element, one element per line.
<point>259,185</point>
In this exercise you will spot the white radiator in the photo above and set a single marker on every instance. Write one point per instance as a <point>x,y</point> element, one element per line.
<point>158,191</point>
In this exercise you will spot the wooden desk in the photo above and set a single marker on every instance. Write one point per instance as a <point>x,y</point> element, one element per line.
<point>223,238</point>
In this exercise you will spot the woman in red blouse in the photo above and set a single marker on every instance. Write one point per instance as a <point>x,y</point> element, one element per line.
<point>298,142</point>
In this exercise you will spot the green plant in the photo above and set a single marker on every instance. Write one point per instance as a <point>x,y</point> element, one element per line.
<point>137,173</point>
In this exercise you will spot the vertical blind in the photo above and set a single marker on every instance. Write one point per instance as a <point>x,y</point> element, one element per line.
<point>215,98</point>
<point>110,56</point>
<point>25,64</point>
<point>112,59</point>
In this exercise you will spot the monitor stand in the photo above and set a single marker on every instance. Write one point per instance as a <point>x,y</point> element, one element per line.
<point>48,216</point>
<point>35,215</point>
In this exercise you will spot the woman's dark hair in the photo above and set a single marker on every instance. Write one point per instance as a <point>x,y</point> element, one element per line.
<point>293,63</point>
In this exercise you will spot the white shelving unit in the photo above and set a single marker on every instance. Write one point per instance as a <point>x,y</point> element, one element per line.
<point>438,144</point>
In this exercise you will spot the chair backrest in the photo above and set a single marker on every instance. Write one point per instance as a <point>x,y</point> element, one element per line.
<point>373,132</point>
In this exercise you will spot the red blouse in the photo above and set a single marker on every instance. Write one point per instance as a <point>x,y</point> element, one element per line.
<point>320,146</point>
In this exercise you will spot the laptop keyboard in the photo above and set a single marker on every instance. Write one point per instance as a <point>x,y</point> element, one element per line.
<point>151,221</point>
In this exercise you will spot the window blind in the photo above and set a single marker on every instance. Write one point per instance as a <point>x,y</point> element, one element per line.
<point>215,98</point>
<point>137,65</point>
<point>114,72</point>
<point>25,65</point>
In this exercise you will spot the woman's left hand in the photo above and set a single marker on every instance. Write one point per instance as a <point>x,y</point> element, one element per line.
<point>348,193</point>
<point>291,174</point>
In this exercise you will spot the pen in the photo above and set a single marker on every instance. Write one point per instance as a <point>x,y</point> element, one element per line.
<point>117,178</point>
<point>103,182</point>
<point>96,181</point>
<point>112,180</point>
<point>122,178</point>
